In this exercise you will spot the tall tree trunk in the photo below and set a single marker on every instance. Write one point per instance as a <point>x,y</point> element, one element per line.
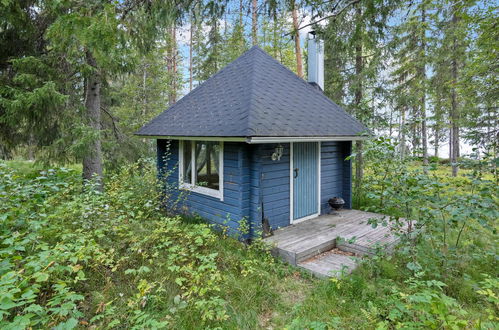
<point>275,45</point>
<point>215,44</point>
<point>424,134</point>
<point>31,147</point>
<point>454,104</point>
<point>172,66</point>
<point>402,133</point>
<point>450,144</point>
<point>241,24</point>
<point>415,137</point>
<point>390,123</point>
<point>424,131</point>
<point>92,161</point>
<point>437,138</point>
<point>144,90</point>
<point>296,31</point>
<point>191,32</point>
<point>359,159</point>
<point>254,22</point>
<point>144,95</point>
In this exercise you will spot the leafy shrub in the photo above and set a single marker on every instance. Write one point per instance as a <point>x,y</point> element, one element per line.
<point>425,306</point>
<point>438,219</point>
<point>73,255</point>
<point>447,228</point>
<point>489,291</point>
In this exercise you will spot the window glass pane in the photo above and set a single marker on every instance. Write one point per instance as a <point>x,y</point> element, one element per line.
<point>207,164</point>
<point>187,170</point>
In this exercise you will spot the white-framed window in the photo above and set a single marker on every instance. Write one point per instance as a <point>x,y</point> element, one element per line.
<point>201,167</point>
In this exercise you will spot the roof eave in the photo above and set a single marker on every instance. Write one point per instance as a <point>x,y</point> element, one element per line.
<point>261,139</point>
<point>282,139</point>
<point>197,138</point>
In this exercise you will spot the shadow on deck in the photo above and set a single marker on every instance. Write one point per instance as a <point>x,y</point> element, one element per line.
<point>331,244</point>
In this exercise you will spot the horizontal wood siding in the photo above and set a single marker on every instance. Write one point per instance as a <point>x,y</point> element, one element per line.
<point>235,205</point>
<point>347,173</point>
<point>336,173</point>
<point>275,185</point>
<point>252,180</point>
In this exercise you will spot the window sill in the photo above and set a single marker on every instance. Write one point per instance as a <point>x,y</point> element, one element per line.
<point>202,190</point>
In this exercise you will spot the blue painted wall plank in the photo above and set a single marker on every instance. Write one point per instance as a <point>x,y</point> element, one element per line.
<point>235,205</point>
<point>275,185</point>
<point>252,179</point>
<point>335,177</point>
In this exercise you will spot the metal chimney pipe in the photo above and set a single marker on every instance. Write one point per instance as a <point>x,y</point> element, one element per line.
<point>315,60</point>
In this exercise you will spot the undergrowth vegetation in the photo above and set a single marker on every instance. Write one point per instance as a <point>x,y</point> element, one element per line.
<point>72,256</point>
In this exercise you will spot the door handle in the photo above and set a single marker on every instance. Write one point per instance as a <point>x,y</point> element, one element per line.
<point>296,172</point>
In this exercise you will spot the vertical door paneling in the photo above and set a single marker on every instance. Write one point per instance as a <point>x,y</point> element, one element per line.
<point>305,185</point>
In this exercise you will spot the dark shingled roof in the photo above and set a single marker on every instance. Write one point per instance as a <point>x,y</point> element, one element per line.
<point>254,96</point>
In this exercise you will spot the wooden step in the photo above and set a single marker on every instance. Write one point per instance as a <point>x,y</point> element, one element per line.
<point>298,254</point>
<point>330,265</point>
<point>313,251</point>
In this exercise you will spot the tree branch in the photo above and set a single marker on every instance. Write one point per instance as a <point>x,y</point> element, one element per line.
<point>116,130</point>
<point>328,16</point>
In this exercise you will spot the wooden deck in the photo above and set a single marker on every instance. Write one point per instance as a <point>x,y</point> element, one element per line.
<point>304,244</point>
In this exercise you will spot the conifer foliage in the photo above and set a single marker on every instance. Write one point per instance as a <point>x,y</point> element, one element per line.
<point>78,78</point>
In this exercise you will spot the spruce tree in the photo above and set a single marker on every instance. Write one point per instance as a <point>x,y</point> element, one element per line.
<point>410,44</point>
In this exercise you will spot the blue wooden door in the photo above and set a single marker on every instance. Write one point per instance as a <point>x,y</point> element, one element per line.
<point>305,174</point>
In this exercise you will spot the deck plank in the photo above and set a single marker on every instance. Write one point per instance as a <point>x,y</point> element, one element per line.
<point>299,243</point>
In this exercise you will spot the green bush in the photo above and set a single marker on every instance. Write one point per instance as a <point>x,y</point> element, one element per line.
<point>423,305</point>
<point>440,220</point>
<point>71,254</point>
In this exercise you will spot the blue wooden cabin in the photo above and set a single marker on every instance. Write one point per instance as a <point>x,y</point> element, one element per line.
<point>255,142</point>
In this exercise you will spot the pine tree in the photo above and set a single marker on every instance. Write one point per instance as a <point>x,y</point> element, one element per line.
<point>31,89</point>
<point>211,52</point>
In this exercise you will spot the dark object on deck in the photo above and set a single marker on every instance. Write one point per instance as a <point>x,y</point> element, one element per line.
<point>336,204</point>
